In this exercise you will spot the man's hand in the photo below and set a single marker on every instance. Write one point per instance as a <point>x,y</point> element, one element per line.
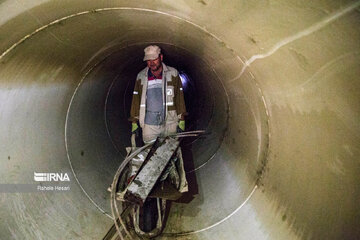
<point>135,130</point>
<point>181,127</point>
<point>134,127</point>
<point>137,135</point>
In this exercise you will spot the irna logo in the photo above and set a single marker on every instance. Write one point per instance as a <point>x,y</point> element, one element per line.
<point>51,177</point>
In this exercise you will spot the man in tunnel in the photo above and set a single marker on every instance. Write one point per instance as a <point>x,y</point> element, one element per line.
<point>158,104</point>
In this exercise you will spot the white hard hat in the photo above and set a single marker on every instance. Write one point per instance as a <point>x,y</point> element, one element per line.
<point>151,52</point>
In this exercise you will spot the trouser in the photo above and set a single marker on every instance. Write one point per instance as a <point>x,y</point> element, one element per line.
<point>151,132</point>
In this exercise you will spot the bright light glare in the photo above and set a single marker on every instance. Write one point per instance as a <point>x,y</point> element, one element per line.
<point>184,79</point>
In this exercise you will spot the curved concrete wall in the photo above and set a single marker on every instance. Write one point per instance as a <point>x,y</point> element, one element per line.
<point>277,88</point>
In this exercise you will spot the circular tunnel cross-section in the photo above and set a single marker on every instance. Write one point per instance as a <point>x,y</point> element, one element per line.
<point>275,84</point>
<point>100,108</point>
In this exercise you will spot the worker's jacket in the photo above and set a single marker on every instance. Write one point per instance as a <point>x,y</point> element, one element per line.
<point>173,96</point>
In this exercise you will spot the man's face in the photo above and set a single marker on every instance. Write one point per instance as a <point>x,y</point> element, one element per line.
<point>155,64</point>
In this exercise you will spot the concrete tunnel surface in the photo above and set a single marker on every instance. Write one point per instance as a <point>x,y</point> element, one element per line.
<point>276,82</point>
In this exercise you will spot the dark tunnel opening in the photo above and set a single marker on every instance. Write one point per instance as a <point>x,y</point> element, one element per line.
<point>200,103</point>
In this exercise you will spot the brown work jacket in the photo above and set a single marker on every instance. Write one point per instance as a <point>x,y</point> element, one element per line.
<point>173,96</point>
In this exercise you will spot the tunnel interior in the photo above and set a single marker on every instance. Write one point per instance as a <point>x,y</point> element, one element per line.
<point>274,84</point>
<point>104,96</point>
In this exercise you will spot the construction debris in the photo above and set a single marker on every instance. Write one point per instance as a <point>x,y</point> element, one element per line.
<point>153,167</point>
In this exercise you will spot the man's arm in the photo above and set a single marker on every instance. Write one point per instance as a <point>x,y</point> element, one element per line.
<point>135,103</point>
<point>179,99</point>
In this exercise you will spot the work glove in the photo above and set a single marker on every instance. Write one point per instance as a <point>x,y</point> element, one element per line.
<point>181,127</point>
<point>134,127</point>
<point>136,131</point>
